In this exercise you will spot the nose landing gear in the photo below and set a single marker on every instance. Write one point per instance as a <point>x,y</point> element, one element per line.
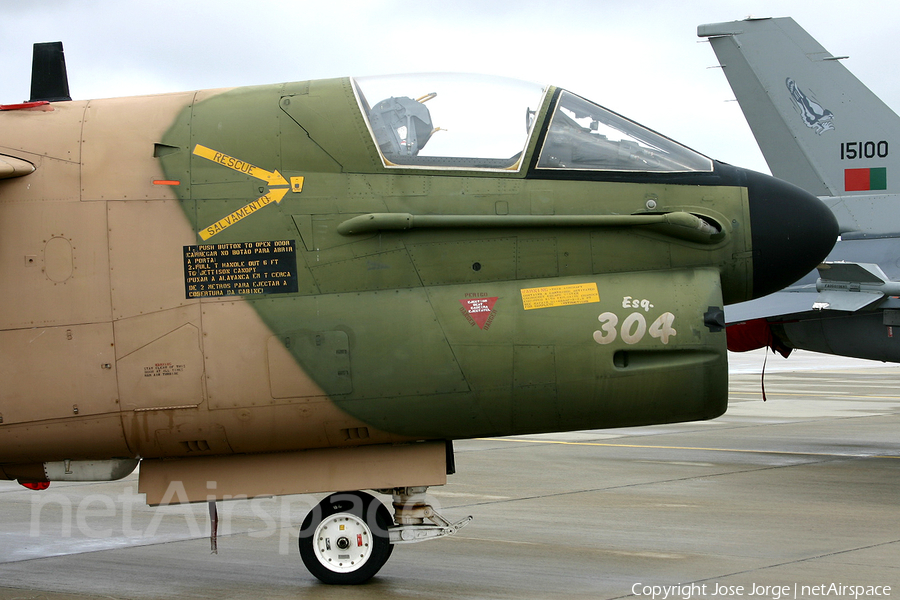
<point>349,536</point>
<point>344,540</point>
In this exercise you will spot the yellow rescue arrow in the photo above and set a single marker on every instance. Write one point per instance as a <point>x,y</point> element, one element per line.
<point>273,178</point>
<point>270,177</point>
<point>245,211</point>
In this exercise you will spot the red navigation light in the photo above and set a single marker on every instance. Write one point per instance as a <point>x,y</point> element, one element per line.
<point>36,485</point>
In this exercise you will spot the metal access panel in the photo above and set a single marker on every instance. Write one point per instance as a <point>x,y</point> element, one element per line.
<point>324,354</point>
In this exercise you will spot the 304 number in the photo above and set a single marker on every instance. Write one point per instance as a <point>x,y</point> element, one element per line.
<point>634,328</point>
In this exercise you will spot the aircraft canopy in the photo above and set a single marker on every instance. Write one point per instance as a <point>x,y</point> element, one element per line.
<point>477,122</point>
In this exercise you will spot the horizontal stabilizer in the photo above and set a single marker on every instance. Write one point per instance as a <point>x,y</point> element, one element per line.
<point>848,301</point>
<point>784,302</point>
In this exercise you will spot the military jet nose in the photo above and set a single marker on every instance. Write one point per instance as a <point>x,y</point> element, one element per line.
<point>791,230</point>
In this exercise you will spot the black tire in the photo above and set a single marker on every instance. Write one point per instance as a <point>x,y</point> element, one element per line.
<point>344,539</point>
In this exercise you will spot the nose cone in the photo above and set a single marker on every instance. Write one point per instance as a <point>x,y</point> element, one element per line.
<point>792,231</point>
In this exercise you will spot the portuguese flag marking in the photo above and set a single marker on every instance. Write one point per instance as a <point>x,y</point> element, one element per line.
<point>863,180</point>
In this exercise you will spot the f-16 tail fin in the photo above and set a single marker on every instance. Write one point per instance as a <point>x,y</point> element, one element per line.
<point>816,124</point>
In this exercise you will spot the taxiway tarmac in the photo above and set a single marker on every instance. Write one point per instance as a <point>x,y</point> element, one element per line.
<point>801,490</point>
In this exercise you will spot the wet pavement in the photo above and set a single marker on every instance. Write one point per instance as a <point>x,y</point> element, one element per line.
<point>800,491</point>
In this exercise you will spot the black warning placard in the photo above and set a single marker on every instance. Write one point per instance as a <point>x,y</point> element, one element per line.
<point>240,269</point>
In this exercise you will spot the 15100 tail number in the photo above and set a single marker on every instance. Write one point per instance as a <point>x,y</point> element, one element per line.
<point>853,150</point>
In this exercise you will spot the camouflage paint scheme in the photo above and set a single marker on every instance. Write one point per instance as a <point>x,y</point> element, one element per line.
<point>104,355</point>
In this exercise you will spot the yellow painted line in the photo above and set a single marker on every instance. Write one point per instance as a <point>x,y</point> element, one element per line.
<point>245,211</point>
<point>562,443</point>
<point>837,396</point>
<point>270,177</point>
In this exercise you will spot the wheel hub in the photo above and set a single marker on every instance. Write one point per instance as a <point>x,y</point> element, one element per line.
<point>343,542</point>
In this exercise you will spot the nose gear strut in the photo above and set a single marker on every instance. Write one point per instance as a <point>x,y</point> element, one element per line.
<point>411,510</point>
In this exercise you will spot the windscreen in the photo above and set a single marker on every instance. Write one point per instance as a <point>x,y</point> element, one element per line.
<point>585,136</point>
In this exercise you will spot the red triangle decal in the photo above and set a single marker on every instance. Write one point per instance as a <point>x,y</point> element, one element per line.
<point>479,309</point>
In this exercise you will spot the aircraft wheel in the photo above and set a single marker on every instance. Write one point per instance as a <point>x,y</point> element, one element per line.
<point>344,539</point>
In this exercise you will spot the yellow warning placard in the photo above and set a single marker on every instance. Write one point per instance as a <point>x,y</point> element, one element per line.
<point>560,295</point>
